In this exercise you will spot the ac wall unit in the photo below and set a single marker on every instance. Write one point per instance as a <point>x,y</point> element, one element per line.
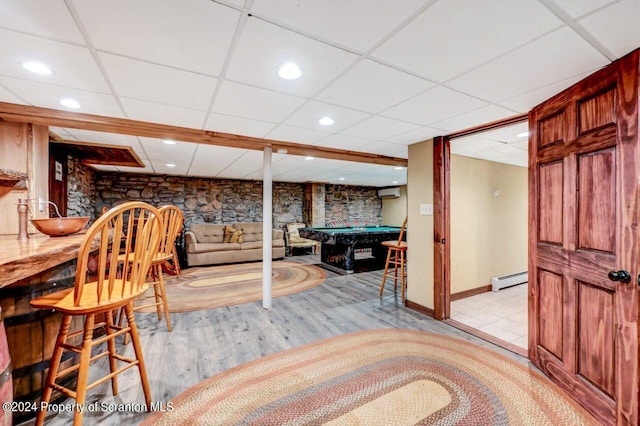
<point>504,281</point>
<point>389,193</point>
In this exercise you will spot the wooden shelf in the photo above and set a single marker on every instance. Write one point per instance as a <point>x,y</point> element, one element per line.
<point>12,179</point>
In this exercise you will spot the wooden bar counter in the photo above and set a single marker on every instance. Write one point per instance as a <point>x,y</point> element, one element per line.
<point>23,259</point>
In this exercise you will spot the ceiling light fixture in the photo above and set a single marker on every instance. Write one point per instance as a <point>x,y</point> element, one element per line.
<point>341,178</point>
<point>37,67</point>
<point>308,157</point>
<point>168,142</point>
<point>170,165</point>
<point>326,121</point>
<point>522,134</point>
<point>289,71</point>
<point>70,103</point>
<point>394,182</point>
<point>398,168</point>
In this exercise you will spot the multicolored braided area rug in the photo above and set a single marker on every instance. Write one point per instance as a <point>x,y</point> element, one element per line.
<point>216,286</point>
<point>379,377</point>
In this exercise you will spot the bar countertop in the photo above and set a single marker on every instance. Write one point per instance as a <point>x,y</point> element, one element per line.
<point>22,259</point>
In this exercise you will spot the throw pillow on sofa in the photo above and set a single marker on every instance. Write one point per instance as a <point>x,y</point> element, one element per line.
<point>236,237</point>
<point>228,232</point>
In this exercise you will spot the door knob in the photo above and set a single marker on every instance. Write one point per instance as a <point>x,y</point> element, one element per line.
<point>622,276</point>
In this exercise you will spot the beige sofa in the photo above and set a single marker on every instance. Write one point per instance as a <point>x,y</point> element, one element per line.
<point>206,246</point>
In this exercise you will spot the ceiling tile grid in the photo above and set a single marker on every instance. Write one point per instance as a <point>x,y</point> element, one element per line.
<point>388,73</point>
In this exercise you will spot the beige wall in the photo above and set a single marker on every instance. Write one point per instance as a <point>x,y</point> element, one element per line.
<point>488,231</point>
<point>23,148</point>
<point>394,210</point>
<point>420,227</point>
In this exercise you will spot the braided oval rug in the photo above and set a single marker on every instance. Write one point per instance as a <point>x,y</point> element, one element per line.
<point>379,377</point>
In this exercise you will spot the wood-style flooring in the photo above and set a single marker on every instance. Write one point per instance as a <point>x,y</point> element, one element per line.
<point>204,343</point>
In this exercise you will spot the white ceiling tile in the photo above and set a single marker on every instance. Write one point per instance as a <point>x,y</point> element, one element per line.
<point>189,34</point>
<point>156,83</point>
<point>170,167</point>
<point>101,137</point>
<point>455,36</point>
<point>343,141</point>
<point>180,153</point>
<point>433,105</point>
<point>474,118</point>
<point>238,125</point>
<point>354,24</point>
<point>507,134</point>
<point>296,134</point>
<point>472,144</point>
<point>521,144</point>
<point>72,66</point>
<point>163,114</point>
<point>617,27</point>
<point>310,113</point>
<point>210,160</point>
<point>417,135</point>
<point>264,47</point>
<point>547,60</point>
<point>379,128</point>
<point>245,164</point>
<point>49,96</point>
<point>372,87</point>
<point>7,96</point>
<point>577,8</point>
<point>390,149</point>
<point>33,17</point>
<point>251,102</point>
<point>526,101</point>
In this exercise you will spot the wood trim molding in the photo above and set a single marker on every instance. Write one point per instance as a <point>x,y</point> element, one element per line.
<point>441,232</point>
<point>488,337</point>
<point>100,153</point>
<point>419,308</point>
<point>51,117</point>
<point>489,126</point>
<point>471,292</point>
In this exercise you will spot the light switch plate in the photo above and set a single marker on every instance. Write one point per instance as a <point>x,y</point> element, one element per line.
<point>426,209</point>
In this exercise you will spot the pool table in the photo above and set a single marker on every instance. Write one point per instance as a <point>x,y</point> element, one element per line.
<point>339,245</point>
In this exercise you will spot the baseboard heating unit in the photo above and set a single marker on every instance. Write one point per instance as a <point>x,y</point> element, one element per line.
<point>505,281</point>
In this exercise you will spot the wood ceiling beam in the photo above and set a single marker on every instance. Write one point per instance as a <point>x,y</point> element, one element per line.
<point>51,117</point>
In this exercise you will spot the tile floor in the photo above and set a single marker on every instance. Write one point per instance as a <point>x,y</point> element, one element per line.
<point>502,314</point>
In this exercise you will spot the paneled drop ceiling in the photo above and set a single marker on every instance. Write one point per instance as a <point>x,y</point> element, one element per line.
<point>390,73</point>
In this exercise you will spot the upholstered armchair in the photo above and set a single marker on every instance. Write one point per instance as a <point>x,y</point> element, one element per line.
<point>293,239</point>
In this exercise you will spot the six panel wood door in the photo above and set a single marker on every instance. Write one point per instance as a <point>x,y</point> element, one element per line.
<point>583,179</point>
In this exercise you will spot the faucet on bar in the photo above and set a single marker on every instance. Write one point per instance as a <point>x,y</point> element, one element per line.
<point>23,214</point>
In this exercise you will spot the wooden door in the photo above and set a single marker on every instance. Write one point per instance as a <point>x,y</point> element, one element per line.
<point>583,197</point>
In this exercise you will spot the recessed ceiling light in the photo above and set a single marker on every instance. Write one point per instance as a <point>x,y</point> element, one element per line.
<point>308,157</point>
<point>522,134</point>
<point>341,178</point>
<point>70,103</point>
<point>289,71</point>
<point>37,67</point>
<point>395,181</point>
<point>398,168</point>
<point>168,142</point>
<point>170,165</point>
<point>326,121</point>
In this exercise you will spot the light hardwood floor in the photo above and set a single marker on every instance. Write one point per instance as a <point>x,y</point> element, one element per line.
<point>204,343</point>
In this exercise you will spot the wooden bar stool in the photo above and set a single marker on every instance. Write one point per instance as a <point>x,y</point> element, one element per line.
<point>172,222</point>
<point>134,227</point>
<point>396,256</point>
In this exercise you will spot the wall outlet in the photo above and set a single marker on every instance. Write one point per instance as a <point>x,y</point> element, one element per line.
<point>426,209</point>
<point>40,204</point>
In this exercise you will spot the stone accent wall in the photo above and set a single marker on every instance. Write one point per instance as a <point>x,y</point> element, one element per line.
<point>229,201</point>
<point>81,191</point>
<point>202,200</point>
<point>344,202</point>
